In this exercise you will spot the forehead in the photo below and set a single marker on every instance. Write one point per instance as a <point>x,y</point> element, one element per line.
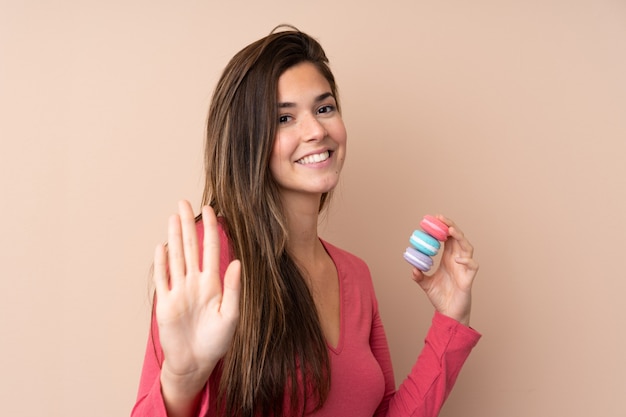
<point>301,79</point>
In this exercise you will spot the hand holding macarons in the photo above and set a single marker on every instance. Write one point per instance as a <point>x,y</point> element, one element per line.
<point>425,244</point>
<point>449,287</point>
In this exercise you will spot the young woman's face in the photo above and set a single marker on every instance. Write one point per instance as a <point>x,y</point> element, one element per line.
<point>310,145</point>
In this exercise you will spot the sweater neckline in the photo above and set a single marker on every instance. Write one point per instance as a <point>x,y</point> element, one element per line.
<point>330,249</point>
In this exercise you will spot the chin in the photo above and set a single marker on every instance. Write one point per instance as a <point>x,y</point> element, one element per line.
<point>328,188</point>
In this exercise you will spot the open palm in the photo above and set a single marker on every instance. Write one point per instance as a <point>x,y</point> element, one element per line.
<point>196,319</point>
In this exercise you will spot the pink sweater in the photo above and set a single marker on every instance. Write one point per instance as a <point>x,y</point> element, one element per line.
<point>362,380</point>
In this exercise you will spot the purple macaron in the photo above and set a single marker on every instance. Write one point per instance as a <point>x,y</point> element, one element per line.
<point>418,259</point>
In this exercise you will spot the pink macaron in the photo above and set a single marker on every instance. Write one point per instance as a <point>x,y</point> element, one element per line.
<point>435,227</point>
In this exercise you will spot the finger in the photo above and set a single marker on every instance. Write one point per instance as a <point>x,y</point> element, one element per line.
<point>189,236</point>
<point>159,274</point>
<point>211,244</point>
<point>175,250</point>
<point>446,220</point>
<point>462,241</point>
<point>232,289</point>
<point>418,275</point>
<point>469,263</point>
<point>451,225</point>
<point>457,234</point>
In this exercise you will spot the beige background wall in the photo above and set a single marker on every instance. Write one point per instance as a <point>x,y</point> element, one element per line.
<point>508,116</point>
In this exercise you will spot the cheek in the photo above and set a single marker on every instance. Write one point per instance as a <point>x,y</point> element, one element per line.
<point>274,156</point>
<point>340,133</point>
<point>278,155</point>
<point>341,136</point>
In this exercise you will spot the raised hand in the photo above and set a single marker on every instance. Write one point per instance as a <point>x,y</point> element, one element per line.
<point>196,318</point>
<point>449,287</point>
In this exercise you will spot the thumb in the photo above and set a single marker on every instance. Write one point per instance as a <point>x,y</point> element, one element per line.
<point>418,276</point>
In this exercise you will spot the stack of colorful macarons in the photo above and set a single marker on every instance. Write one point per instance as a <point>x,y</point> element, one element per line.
<point>425,243</point>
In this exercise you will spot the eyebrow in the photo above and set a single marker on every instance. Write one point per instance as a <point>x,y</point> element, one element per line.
<point>317,99</point>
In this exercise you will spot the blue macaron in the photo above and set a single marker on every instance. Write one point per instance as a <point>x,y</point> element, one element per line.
<point>424,243</point>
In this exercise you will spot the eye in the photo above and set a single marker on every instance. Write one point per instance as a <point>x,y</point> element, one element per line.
<point>326,109</point>
<point>283,118</point>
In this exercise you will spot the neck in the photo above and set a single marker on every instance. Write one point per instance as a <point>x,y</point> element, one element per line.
<point>302,213</point>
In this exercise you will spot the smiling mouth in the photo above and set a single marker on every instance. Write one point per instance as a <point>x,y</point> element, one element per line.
<point>312,159</point>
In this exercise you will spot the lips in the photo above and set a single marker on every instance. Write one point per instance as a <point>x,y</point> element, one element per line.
<point>315,158</point>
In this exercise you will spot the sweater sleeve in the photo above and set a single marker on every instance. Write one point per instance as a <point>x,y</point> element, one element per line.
<point>424,391</point>
<point>149,397</point>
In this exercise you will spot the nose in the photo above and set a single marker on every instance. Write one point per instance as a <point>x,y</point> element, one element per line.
<point>313,129</point>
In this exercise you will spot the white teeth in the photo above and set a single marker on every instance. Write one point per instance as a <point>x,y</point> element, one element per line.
<point>311,159</point>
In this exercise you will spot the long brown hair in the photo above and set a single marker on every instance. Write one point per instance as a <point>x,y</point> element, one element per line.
<point>279,356</point>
